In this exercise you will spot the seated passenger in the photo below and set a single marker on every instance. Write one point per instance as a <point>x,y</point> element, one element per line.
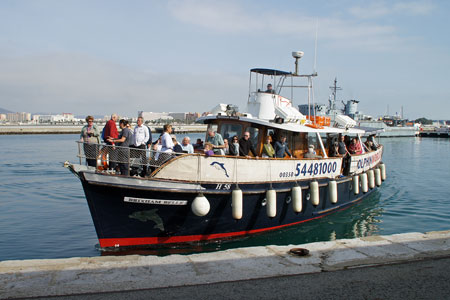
<point>226,150</point>
<point>208,149</point>
<point>269,89</point>
<point>355,147</point>
<point>234,146</point>
<point>268,150</point>
<point>176,146</point>
<point>281,148</point>
<point>311,153</point>
<point>198,145</point>
<point>186,145</point>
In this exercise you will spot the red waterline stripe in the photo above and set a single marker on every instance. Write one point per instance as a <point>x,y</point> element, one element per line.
<point>115,242</point>
<point>121,242</point>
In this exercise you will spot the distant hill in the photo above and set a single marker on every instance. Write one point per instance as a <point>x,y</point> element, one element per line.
<point>4,111</point>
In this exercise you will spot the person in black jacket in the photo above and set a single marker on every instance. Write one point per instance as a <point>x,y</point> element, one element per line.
<point>246,146</point>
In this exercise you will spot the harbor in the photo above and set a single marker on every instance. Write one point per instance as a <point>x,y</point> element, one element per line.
<point>76,129</point>
<point>224,150</point>
<point>246,271</point>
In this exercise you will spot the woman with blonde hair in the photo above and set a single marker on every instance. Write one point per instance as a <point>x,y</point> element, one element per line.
<point>90,136</point>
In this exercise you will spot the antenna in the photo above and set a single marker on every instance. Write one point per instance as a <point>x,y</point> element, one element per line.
<point>315,46</point>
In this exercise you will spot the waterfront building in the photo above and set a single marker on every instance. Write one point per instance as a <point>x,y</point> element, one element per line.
<point>18,117</point>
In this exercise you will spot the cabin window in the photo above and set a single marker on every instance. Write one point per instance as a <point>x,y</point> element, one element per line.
<point>313,140</point>
<point>228,130</point>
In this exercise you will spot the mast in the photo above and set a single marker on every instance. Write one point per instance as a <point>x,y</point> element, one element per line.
<point>334,90</point>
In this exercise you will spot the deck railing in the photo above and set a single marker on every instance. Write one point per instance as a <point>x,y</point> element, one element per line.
<point>102,155</point>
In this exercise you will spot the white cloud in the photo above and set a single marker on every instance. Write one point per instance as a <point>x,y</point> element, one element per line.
<point>230,18</point>
<point>85,85</point>
<point>381,9</point>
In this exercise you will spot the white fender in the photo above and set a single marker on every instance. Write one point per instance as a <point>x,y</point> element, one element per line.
<point>377,173</point>
<point>383,171</point>
<point>356,184</point>
<point>332,191</point>
<point>314,192</point>
<point>271,206</point>
<point>200,206</point>
<point>297,199</point>
<point>371,179</point>
<point>236,204</point>
<point>364,183</point>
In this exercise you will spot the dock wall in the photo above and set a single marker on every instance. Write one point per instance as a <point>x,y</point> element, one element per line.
<point>51,277</point>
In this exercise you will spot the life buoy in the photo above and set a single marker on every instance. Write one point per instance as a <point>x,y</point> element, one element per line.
<point>103,160</point>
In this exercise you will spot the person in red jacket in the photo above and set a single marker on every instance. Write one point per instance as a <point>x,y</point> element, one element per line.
<point>110,132</point>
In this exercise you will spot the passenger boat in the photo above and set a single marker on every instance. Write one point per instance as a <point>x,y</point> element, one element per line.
<point>193,197</point>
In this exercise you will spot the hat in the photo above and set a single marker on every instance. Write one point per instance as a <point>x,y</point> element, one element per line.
<point>311,146</point>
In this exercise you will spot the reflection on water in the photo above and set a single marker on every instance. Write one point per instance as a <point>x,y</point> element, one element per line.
<point>359,220</point>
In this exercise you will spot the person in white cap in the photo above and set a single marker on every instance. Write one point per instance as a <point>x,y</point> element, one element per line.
<point>311,153</point>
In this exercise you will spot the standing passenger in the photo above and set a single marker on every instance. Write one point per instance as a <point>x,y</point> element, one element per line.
<point>281,148</point>
<point>246,146</point>
<point>90,135</point>
<point>216,141</point>
<point>268,150</point>
<point>124,141</point>
<point>141,137</point>
<point>110,131</point>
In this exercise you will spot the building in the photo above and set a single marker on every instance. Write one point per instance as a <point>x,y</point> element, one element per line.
<point>18,117</point>
<point>154,116</point>
<point>191,117</point>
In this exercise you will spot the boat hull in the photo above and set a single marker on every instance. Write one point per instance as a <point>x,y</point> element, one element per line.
<point>133,212</point>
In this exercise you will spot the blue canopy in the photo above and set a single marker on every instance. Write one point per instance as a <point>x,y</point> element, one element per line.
<point>270,72</point>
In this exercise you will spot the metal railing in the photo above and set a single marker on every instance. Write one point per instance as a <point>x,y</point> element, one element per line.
<point>105,156</point>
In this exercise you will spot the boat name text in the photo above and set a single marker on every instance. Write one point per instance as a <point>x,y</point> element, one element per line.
<point>155,201</point>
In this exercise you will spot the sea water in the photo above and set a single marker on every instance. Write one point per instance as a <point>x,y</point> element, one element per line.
<point>44,214</point>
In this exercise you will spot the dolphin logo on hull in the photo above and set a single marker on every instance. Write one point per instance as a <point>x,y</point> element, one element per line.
<point>219,166</point>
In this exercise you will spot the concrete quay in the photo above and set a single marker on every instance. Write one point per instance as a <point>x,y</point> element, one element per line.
<point>400,266</point>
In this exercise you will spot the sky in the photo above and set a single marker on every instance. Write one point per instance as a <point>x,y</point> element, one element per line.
<point>98,57</point>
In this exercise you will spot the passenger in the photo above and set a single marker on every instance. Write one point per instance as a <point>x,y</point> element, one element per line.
<point>268,150</point>
<point>334,150</point>
<point>166,139</point>
<point>124,141</point>
<point>347,141</point>
<point>281,148</point>
<point>141,136</point>
<point>234,146</point>
<point>90,135</point>
<point>208,149</point>
<point>342,147</point>
<point>355,147</point>
<point>311,153</point>
<point>370,144</point>
<point>269,89</point>
<point>216,141</point>
<point>186,145</point>
<point>226,150</point>
<point>246,146</point>
<point>176,146</point>
<point>110,131</point>
<point>198,145</point>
